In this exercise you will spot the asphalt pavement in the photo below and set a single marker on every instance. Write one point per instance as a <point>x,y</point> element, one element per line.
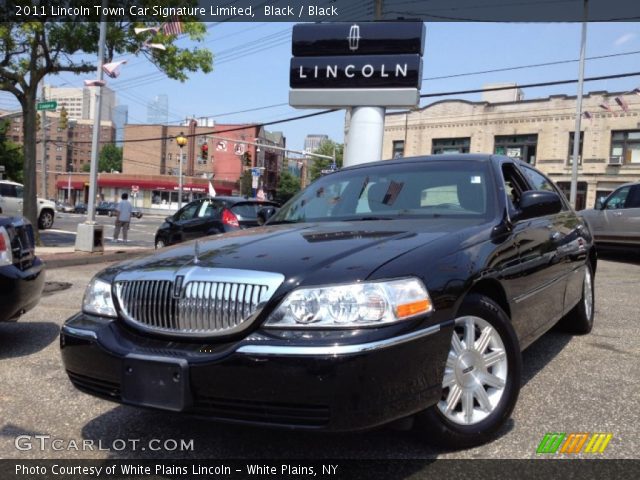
<point>570,384</point>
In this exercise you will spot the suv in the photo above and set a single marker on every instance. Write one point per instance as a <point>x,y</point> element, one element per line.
<point>616,220</point>
<point>11,204</point>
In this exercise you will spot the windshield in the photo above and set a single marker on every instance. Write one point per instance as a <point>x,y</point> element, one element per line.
<point>456,189</point>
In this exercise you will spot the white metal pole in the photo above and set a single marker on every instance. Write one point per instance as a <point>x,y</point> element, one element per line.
<point>93,175</point>
<point>576,135</point>
<point>364,139</point>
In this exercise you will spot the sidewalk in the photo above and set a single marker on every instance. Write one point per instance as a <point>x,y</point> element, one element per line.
<point>58,257</point>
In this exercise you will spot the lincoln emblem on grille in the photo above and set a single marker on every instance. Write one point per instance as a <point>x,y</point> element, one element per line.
<point>354,37</point>
<point>177,286</point>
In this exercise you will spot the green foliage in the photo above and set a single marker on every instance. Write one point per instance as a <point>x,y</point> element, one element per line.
<point>86,167</point>
<point>110,159</point>
<point>245,184</point>
<point>11,156</point>
<point>318,164</point>
<point>288,186</point>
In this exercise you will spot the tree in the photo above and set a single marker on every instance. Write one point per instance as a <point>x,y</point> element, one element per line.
<point>110,159</point>
<point>288,186</point>
<point>31,50</point>
<point>318,164</point>
<point>86,167</point>
<point>10,155</point>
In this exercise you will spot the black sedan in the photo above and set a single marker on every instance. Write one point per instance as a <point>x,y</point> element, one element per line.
<point>209,216</point>
<point>21,272</point>
<point>80,208</point>
<point>403,288</point>
<point>106,208</point>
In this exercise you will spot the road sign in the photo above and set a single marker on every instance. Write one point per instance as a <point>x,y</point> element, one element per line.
<point>51,105</point>
<point>255,172</point>
<point>135,188</point>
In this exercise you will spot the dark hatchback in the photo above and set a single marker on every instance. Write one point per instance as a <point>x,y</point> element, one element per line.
<point>403,288</point>
<point>21,272</point>
<point>209,216</point>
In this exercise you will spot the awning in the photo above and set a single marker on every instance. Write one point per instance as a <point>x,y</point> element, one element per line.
<point>64,184</point>
<point>151,184</point>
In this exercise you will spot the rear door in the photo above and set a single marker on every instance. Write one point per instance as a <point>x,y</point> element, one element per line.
<point>11,199</point>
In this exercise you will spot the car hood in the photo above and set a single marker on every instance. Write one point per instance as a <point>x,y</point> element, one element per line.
<point>309,253</point>
<point>46,203</point>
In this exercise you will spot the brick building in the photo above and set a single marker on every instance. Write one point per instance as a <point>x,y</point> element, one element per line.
<point>538,131</point>
<point>211,150</point>
<point>68,149</point>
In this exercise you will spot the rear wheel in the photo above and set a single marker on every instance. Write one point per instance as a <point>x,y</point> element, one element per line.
<point>481,379</point>
<point>45,220</point>
<point>580,319</point>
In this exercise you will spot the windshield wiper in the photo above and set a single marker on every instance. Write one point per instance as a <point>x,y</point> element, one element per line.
<point>364,219</point>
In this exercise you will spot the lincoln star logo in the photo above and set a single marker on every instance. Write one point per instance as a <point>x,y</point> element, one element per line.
<point>354,37</point>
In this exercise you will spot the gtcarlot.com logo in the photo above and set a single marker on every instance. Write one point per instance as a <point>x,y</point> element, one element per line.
<point>574,443</point>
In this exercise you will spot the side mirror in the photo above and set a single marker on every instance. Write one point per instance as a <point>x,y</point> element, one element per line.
<point>169,219</point>
<point>537,203</point>
<point>265,214</point>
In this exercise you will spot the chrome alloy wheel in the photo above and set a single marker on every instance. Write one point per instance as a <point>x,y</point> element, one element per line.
<point>587,294</point>
<point>475,374</point>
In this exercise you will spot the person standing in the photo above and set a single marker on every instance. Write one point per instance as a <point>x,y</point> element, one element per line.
<point>123,217</point>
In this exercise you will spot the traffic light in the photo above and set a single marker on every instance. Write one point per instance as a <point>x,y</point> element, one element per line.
<point>64,119</point>
<point>246,159</point>
<point>204,151</point>
<point>38,125</point>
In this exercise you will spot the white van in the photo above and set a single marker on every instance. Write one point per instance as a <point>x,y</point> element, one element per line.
<point>11,204</point>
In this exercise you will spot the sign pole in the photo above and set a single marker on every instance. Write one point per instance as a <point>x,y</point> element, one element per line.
<point>364,139</point>
<point>44,146</point>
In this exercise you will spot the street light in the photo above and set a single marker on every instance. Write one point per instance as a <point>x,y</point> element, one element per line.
<point>181,140</point>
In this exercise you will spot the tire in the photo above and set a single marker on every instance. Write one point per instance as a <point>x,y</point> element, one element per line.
<point>579,320</point>
<point>477,399</point>
<point>45,220</point>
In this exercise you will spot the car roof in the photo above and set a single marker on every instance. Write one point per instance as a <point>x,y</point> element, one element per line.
<point>232,199</point>
<point>11,182</point>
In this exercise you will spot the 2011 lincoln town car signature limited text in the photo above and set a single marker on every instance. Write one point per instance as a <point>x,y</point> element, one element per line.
<point>382,291</point>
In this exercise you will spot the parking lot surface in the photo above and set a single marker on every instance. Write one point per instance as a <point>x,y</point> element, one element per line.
<point>570,384</point>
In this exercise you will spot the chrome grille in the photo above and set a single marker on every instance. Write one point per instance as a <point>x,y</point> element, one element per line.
<point>198,307</point>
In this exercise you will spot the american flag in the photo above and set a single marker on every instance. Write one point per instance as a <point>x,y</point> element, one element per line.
<point>605,106</point>
<point>587,115</point>
<point>623,105</point>
<point>172,28</point>
<point>392,192</point>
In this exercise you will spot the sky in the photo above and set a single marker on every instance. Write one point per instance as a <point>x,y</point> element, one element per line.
<point>251,69</point>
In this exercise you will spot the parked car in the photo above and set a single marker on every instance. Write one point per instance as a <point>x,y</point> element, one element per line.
<point>11,204</point>
<point>106,208</point>
<point>401,288</point>
<point>616,220</point>
<point>80,208</point>
<point>21,272</point>
<point>209,216</point>
<point>136,212</point>
<point>64,207</point>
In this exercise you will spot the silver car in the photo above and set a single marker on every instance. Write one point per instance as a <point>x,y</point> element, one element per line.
<point>616,220</point>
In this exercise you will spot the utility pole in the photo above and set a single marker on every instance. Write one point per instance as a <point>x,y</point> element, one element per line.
<point>44,146</point>
<point>576,134</point>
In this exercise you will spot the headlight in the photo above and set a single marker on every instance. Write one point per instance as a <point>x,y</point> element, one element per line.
<point>366,304</point>
<point>97,299</point>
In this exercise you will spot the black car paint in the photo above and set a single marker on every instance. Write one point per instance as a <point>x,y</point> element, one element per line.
<point>21,284</point>
<point>532,268</point>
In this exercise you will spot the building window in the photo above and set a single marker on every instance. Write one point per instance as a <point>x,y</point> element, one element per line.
<point>521,147</point>
<point>570,151</point>
<point>58,168</point>
<point>450,145</point>
<point>58,148</point>
<point>625,145</point>
<point>397,150</point>
<point>581,193</point>
<point>59,158</point>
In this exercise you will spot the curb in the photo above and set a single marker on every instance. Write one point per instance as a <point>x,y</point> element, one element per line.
<point>60,260</point>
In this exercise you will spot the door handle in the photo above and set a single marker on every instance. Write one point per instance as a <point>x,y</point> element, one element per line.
<point>617,214</point>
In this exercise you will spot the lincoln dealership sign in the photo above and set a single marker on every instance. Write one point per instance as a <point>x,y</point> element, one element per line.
<point>344,64</point>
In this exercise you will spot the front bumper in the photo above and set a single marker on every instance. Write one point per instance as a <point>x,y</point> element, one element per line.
<point>20,290</point>
<point>261,379</point>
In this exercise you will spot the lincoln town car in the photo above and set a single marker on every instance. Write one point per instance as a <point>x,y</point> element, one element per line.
<point>403,289</point>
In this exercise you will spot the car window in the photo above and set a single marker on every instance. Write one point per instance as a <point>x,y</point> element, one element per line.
<point>460,189</point>
<point>7,190</point>
<point>19,191</point>
<point>248,210</point>
<point>633,200</point>
<point>188,212</point>
<point>514,185</point>
<point>209,209</point>
<point>617,199</point>
<point>540,182</point>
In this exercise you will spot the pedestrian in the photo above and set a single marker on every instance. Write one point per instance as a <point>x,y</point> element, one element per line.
<point>123,217</point>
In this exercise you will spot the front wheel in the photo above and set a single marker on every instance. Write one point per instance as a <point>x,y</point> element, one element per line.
<point>45,220</point>
<point>481,379</point>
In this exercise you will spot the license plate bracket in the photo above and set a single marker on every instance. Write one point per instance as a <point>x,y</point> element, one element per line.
<point>156,382</point>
